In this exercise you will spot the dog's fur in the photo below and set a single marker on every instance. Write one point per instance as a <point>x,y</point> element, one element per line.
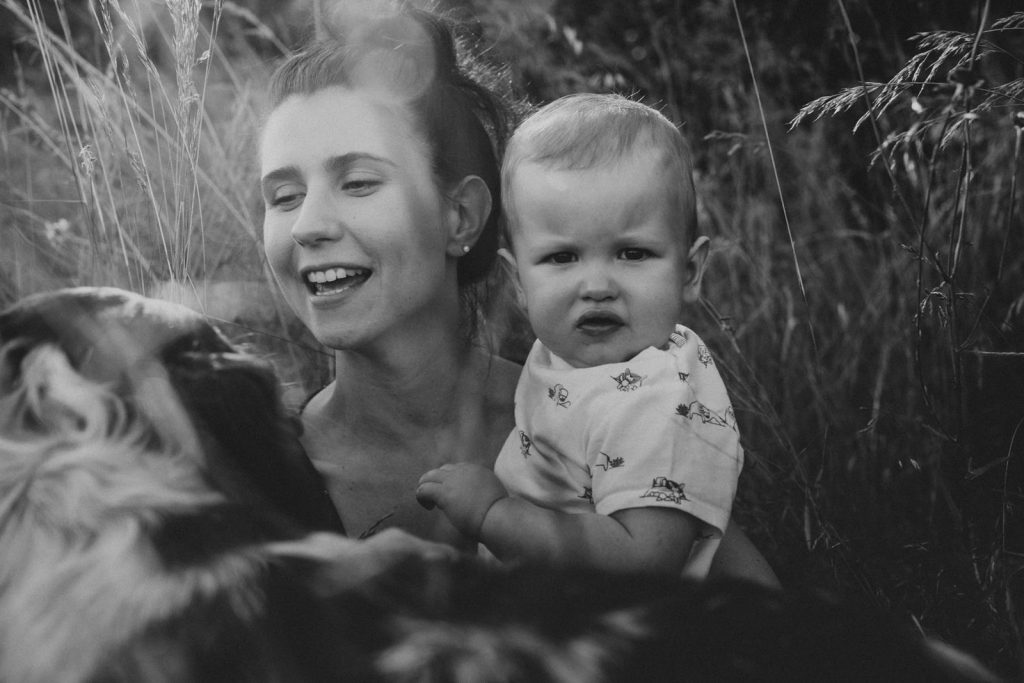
<point>154,512</point>
<point>143,464</point>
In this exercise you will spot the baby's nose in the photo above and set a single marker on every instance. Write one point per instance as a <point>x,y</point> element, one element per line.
<point>597,284</point>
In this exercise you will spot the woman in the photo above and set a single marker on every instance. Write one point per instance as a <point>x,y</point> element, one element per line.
<point>381,192</point>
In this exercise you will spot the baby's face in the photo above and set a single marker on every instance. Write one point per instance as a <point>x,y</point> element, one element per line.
<point>602,260</point>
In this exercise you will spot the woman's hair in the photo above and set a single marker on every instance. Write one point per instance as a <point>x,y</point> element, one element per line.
<point>460,106</point>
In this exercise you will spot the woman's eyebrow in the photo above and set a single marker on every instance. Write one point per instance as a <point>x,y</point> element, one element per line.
<point>343,162</point>
<point>333,166</point>
<point>278,174</point>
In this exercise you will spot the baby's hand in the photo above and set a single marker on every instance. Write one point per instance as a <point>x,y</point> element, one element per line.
<point>464,491</point>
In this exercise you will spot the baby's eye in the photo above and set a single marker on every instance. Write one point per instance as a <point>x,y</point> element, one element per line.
<point>561,257</point>
<point>634,254</point>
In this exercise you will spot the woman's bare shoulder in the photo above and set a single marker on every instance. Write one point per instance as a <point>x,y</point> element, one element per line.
<point>318,422</point>
<point>315,402</point>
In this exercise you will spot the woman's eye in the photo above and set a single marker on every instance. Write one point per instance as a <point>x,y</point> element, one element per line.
<point>360,186</point>
<point>634,254</point>
<point>286,198</point>
<point>561,257</point>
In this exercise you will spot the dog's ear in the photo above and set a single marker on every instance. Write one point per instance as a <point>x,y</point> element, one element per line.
<point>252,445</point>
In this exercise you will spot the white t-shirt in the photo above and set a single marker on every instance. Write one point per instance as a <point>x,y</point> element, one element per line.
<point>655,431</point>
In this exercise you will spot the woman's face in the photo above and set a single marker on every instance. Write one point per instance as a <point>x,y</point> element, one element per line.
<point>355,227</point>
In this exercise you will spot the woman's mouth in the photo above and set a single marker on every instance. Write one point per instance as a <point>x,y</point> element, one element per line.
<point>334,280</point>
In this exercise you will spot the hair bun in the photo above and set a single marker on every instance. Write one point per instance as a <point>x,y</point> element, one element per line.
<point>395,54</point>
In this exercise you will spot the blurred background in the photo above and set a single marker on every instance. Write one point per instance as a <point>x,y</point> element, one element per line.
<point>858,164</point>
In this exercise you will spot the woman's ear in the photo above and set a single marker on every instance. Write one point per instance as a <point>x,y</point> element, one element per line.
<point>510,266</point>
<point>471,206</point>
<point>696,262</point>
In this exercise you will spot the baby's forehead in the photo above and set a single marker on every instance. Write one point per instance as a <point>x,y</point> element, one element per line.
<point>669,182</point>
<point>644,149</point>
<point>566,173</point>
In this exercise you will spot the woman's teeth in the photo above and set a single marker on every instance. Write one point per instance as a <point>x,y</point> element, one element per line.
<point>322,282</point>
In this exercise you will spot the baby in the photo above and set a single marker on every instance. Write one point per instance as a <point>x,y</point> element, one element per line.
<point>626,454</point>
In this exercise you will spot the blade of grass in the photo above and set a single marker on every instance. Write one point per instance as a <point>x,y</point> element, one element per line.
<point>873,117</point>
<point>778,182</point>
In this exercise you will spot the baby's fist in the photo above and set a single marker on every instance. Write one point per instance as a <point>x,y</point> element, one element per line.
<point>464,491</point>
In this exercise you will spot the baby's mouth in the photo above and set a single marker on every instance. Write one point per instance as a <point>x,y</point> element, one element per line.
<point>333,280</point>
<point>598,323</point>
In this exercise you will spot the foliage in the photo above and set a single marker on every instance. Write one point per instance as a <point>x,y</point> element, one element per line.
<point>129,157</point>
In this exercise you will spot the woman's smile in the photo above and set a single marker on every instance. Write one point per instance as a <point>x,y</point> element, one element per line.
<point>329,281</point>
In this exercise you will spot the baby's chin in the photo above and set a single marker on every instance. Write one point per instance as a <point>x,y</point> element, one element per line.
<point>592,357</point>
<point>618,346</point>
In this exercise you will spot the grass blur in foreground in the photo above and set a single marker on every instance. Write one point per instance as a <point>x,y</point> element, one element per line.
<point>130,161</point>
<point>867,314</point>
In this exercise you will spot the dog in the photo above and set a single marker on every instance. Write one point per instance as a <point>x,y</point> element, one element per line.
<point>145,467</point>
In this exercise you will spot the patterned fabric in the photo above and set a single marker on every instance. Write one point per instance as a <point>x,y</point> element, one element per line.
<point>655,431</point>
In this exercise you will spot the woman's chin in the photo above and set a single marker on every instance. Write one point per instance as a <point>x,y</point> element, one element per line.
<point>334,338</point>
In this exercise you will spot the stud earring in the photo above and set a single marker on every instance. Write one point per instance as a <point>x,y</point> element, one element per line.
<point>465,248</point>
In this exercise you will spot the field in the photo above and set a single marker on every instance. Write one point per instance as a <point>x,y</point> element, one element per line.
<point>858,169</point>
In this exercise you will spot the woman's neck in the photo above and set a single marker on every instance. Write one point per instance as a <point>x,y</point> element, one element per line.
<point>419,385</point>
<point>387,419</point>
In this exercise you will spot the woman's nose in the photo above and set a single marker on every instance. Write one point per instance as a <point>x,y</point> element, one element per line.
<point>318,221</point>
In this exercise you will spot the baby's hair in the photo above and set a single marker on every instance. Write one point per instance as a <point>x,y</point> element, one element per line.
<point>586,130</point>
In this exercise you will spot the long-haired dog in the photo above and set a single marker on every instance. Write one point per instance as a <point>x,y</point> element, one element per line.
<point>143,465</point>
<point>159,522</point>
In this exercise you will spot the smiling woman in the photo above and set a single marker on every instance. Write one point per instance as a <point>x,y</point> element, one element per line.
<point>349,197</point>
<point>380,180</point>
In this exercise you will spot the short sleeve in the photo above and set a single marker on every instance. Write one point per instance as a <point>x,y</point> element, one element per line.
<point>665,435</point>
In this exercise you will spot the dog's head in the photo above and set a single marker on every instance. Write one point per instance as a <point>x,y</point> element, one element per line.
<point>186,383</point>
<point>144,465</point>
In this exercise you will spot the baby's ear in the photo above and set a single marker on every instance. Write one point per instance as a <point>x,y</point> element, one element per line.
<point>696,262</point>
<point>511,268</point>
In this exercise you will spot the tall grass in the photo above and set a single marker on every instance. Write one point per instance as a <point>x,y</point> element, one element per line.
<point>906,481</point>
<point>883,454</point>
<point>136,164</point>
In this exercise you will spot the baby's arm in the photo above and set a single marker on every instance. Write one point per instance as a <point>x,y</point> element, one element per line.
<point>647,539</point>
<point>738,558</point>
<point>643,539</point>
